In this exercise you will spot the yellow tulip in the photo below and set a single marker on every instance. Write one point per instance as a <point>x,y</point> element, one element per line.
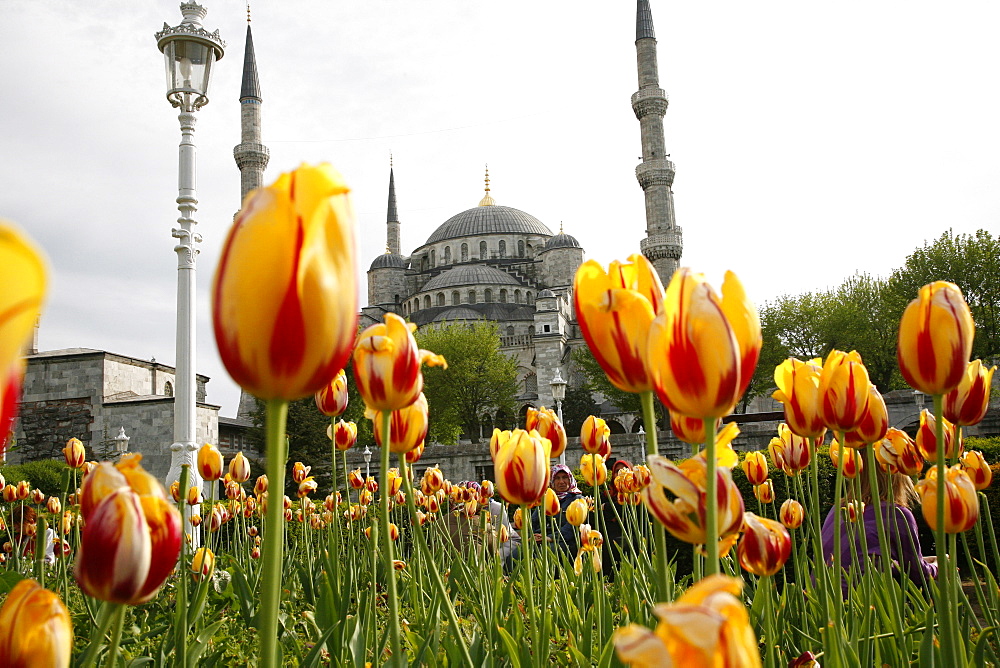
<point>798,390</point>
<point>551,503</point>
<point>345,435</point>
<point>407,426</point>
<point>967,403</point>
<point>927,438</point>
<point>387,364</point>
<point>239,468</point>
<point>593,469</point>
<point>702,350</point>
<point>755,467</point>
<point>764,547</point>
<point>522,467</point>
<point>935,338</point>
<point>594,433</point>
<point>615,310</point>
<point>210,462</point>
<point>898,452</point>
<point>843,391</point>
<point>792,514</point>
<point>961,503</point>
<point>331,400</point>
<point>284,301</point>
<point>74,453</point>
<point>35,628</point>
<point>705,626</point>
<point>979,471</point>
<point>764,492</point>
<point>790,452</point>
<point>202,564</point>
<point>547,424</point>
<point>576,512</point>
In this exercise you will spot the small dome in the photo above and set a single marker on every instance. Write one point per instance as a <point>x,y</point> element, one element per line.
<point>458,313</point>
<point>562,240</point>
<point>488,219</point>
<point>388,261</point>
<point>545,293</point>
<point>469,274</point>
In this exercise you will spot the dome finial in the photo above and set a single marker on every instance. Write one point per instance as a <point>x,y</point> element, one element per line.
<point>390,159</point>
<point>487,200</point>
<point>561,227</point>
<point>248,12</point>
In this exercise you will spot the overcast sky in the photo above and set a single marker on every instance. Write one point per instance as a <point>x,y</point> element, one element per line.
<point>811,140</point>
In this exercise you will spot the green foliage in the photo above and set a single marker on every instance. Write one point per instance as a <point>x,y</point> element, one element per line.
<point>479,379</point>
<point>577,407</point>
<point>597,381</point>
<point>43,474</point>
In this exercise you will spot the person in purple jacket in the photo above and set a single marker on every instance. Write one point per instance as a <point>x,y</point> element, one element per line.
<point>897,492</point>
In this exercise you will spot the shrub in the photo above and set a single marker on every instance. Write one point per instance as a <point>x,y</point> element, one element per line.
<point>43,474</point>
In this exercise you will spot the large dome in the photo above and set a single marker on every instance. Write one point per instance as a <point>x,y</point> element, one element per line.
<point>469,274</point>
<point>481,220</point>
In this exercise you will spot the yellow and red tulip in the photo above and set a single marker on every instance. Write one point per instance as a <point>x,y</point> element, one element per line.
<point>843,391</point>
<point>300,471</point>
<point>853,463</point>
<point>593,469</point>
<point>414,455</point>
<point>522,467</point>
<point>210,462</point>
<point>23,490</point>
<point>239,468</point>
<point>703,349</point>
<point>898,452</point>
<point>546,423</point>
<point>356,480</point>
<point>307,487</point>
<point>53,505</point>
<point>790,452</point>
<point>284,304</point>
<point>37,497</point>
<point>407,425</point>
<point>791,514</point>
<point>74,453</point>
<point>853,510</point>
<point>518,519</point>
<point>935,339</point>
<point>764,547</point>
<point>590,543</point>
<point>331,400</point>
<point>551,503</point>
<point>755,467</point>
<point>874,423</point>
<point>966,404</point>
<point>764,492</point>
<point>387,364</point>
<point>688,429</point>
<point>594,434</point>
<point>345,435</point>
<point>979,471</point>
<point>260,485</point>
<point>576,512</point>
<point>798,390</point>
<point>202,564</point>
<point>927,438</point>
<point>433,480</point>
<point>35,628</point>
<point>615,310</point>
<point>706,626</point>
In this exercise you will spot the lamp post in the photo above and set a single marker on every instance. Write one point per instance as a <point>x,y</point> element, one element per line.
<point>558,386</point>
<point>121,442</point>
<point>368,460</point>
<point>189,51</point>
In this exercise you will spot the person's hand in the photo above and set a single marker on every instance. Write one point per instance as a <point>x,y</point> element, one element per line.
<point>538,538</point>
<point>931,559</point>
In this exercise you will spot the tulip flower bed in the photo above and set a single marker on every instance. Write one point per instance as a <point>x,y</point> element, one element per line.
<point>523,570</point>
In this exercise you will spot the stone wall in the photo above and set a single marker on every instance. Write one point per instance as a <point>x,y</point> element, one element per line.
<point>63,377</point>
<point>45,426</point>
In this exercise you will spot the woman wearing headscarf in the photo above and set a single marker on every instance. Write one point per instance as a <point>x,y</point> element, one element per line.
<point>559,534</point>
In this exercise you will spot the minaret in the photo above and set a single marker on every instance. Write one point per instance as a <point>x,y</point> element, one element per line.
<point>251,155</point>
<point>663,242</point>
<point>391,217</point>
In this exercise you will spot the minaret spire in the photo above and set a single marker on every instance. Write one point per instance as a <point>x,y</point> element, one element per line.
<point>391,217</point>
<point>663,243</point>
<point>251,155</point>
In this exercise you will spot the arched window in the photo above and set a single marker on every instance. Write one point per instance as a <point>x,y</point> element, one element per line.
<point>503,248</point>
<point>503,296</point>
<point>472,296</point>
<point>510,330</point>
<point>168,389</point>
<point>447,255</point>
<point>482,250</point>
<point>427,301</point>
<point>517,296</point>
<point>440,299</point>
<point>456,298</point>
<point>531,384</point>
<point>531,330</point>
<point>520,249</point>
<point>433,259</point>
<point>488,296</point>
<point>395,299</point>
<point>465,252</point>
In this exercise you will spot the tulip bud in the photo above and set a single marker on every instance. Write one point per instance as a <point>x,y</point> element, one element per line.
<point>35,628</point>
<point>935,339</point>
<point>10,494</point>
<point>193,496</point>
<point>765,546</point>
<point>202,564</point>
<point>967,403</point>
<point>518,519</point>
<point>356,480</point>
<point>522,467</point>
<point>546,422</point>
<point>593,469</point>
<point>798,390</point>
<point>387,365</point>
<point>23,490</point>
<point>260,486</point>
<point>239,468</point>
<point>331,400</point>
<point>255,553</point>
<point>755,467</point>
<point>551,503</point>
<point>593,434</point>
<point>54,505</point>
<point>764,492</point>
<point>434,480</point>
<point>393,481</point>
<point>792,514</point>
<point>37,497</point>
<point>853,464</point>
<point>345,435</point>
<point>979,471</point>
<point>927,438</point>
<point>576,512</point>
<point>844,390</point>
<point>75,453</point>
<point>503,535</point>
<point>210,462</point>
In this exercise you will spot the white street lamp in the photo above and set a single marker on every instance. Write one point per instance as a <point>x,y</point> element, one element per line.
<point>121,442</point>
<point>558,386</point>
<point>368,460</point>
<point>189,51</point>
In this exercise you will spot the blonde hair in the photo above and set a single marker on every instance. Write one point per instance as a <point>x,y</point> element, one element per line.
<point>896,487</point>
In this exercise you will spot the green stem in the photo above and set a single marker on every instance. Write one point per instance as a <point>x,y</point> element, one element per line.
<point>882,510</point>
<point>946,608</point>
<point>117,622</point>
<point>395,636</point>
<point>180,622</point>
<point>711,502</point>
<point>767,582</point>
<point>276,454</point>
<point>659,534</point>
<point>838,559</point>
<point>526,538</point>
<point>105,616</point>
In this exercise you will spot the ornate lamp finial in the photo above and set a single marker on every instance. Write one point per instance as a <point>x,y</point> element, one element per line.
<point>487,200</point>
<point>248,12</point>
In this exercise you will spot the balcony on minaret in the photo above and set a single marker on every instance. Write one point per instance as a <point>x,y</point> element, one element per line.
<point>650,100</point>
<point>655,172</point>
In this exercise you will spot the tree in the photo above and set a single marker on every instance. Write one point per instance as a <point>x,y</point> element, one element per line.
<point>577,407</point>
<point>597,381</point>
<point>479,380</point>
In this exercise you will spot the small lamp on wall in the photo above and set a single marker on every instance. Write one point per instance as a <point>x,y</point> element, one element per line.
<point>121,441</point>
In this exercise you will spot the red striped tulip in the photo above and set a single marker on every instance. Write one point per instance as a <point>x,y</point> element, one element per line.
<point>593,469</point>
<point>210,462</point>
<point>547,424</point>
<point>35,628</point>
<point>387,364</point>
<point>792,514</point>
<point>53,505</point>
<point>37,497</point>
<point>284,304</point>
<point>935,339</point>
<point>260,486</point>
<point>331,400</point>
<point>132,534</point>
<point>594,433</point>
<point>356,480</point>
<point>551,503</point>
<point>798,390</point>
<point>522,467</point>
<point>74,453</point>
<point>194,496</point>
<point>345,435</point>
<point>307,487</point>
<point>518,519</point>
<point>486,490</point>
<point>642,476</point>
<point>967,403</point>
<point>684,517</point>
<point>764,492</point>
<point>239,468</point>
<point>434,480</point>
<point>853,463</point>
<point>615,310</point>
<point>755,467</point>
<point>975,465</point>
<point>23,490</point>
<point>898,452</point>
<point>843,391</point>
<point>927,438</point>
<point>853,510</point>
<point>576,512</point>
<point>10,494</point>
<point>414,455</point>
<point>300,471</point>
<point>394,482</point>
<point>202,564</point>
<point>874,423</point>
<point>689,429</point>
<point>765,546</point>
<point>703,349</point>
<point>790,452</point>
<point>706,626</point>
<point>371,484</point>
<point>398,565</point>
<point>407,426</point>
